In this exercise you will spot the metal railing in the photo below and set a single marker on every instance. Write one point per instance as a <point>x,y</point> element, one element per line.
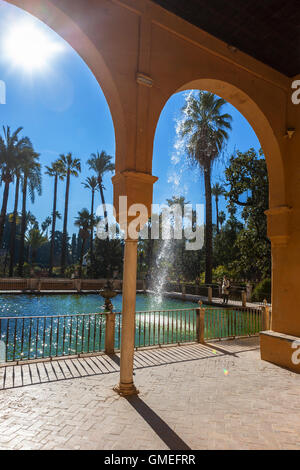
<point>160,327</point>
<point>238,293</point>
<point>229,323</point>
<point>40,337</point>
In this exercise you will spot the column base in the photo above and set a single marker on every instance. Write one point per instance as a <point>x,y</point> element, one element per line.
<point>280,349</point>
<point>125,390</point>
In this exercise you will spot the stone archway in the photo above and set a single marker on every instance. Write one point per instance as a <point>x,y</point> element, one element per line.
<point>279,212</point>
<point>260,124</point>
<point>141,55</point>
<point>269,143</point>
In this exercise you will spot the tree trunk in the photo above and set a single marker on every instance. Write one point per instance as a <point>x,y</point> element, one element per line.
<point>13,230</point>
<point>208,226</point>
<point>64,237</point>
<point>53,226</point>
<point>92,225</point>
<point>217,209</point>
<point>104,208</point>
<point>81,256</point>
<point>3,210</point>
<point>23,227</point>
<point>150,258</point>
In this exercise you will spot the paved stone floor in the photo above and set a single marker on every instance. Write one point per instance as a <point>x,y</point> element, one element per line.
<point>217,396</point>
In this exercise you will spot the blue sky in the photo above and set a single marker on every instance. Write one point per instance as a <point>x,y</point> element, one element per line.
<point>62,109</point>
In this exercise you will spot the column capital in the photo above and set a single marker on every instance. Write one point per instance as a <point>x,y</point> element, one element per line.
<point>279,224</point>
<point>134,175</point>
<point>131,240</point>
<point>137,186</point>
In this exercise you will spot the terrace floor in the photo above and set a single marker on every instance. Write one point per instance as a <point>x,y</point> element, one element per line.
<point>214,396</point>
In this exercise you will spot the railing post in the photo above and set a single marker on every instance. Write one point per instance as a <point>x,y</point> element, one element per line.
<point>249,291</point>
<point>244,298</point>
<point>110,333</point>
<point>200,323</point>
<point>183,290</point>
<point>144,285</point>
<point>78,284</point>
<point>209,294</point>
<point>265,311</point>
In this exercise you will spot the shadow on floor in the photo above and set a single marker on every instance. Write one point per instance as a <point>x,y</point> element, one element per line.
<point>160,427</point>
<point>16,376</point>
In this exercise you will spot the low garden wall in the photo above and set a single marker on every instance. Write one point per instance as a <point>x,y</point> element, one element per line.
<point>48,284</point>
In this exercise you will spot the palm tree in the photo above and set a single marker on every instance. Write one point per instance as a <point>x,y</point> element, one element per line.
<point>31,179</point>
<point>12,241</point>
<point>91,183</point>
<point>204,130</point>
<point>31,220</point>
<point>46,224</point>
<point>35,239</point>
<point>84,221</point>
<point>56,170</point>
<point>11,148</point>
<point>222,218</point>
<point>101,164</point>
<point>217,191</point>
<point>71,167</point>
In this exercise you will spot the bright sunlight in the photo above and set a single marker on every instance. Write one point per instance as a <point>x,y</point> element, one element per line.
<point>27,46</point>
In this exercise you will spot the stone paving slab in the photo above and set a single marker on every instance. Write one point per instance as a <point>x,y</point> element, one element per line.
<point>214,396</point>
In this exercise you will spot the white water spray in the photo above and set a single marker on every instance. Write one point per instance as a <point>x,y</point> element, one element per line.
<point>165,257</point>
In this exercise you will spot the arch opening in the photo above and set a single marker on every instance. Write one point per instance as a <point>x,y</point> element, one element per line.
<point>63,110</point>
<point>256,119</point>
<point>75,35</point>
<point>238,101</point>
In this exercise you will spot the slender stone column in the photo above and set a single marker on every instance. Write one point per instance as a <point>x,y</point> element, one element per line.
<point>126,385</point>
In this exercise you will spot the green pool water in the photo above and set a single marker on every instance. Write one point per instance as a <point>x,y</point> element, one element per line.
<point>57,325</point>
<point>44,326</point>
<point>32,305</point>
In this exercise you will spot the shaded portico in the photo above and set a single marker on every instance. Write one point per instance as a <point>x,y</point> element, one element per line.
<point>141,55</point>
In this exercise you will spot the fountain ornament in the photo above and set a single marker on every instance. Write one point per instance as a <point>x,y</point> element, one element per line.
<point>108,293</point>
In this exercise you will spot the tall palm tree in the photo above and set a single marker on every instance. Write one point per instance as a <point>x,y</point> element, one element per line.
<point>31,220</point>
<point>35,239</point>
<point>46,224</point>
<point>101,163</point>
<point>217,190</point>
<point>71,167</point>
<point>56,170</point>
<point>11,148</point>
<point>12,241</point>
<point>91,183</point>
<point>222,218</point>
<point>84,221</point>
<point>32,181</point>
<point>204,130</point>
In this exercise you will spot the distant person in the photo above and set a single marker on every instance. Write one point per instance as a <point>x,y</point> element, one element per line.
<point>225,290</point>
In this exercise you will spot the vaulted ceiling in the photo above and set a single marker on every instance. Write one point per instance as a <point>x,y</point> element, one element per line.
<point>268,30</point>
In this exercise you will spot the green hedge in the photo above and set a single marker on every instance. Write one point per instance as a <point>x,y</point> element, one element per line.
<point>262,291</point>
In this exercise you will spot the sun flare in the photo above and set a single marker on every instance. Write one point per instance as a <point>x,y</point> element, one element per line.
<point>28,47</point>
